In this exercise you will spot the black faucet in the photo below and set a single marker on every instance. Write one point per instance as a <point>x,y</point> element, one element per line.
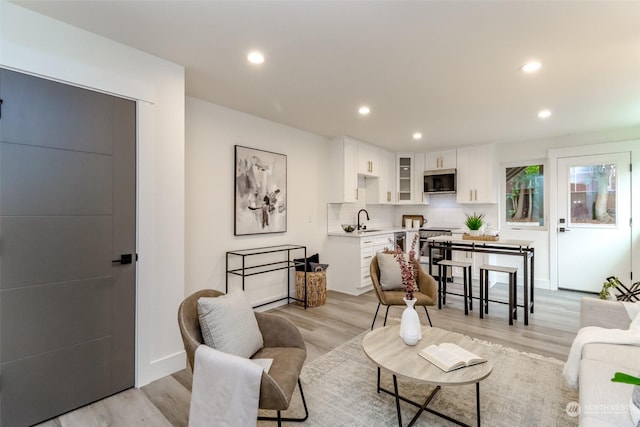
<point>366,213</point>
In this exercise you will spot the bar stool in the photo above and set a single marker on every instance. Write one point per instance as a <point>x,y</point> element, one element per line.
<point>466,283</point>
<point>484,290</point>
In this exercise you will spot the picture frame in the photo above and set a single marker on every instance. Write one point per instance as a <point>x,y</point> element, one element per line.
<point>260,193</point>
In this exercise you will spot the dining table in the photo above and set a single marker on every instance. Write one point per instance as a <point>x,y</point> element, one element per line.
<point>496,246</point>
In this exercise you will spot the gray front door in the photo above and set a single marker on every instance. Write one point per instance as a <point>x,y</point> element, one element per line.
<point>67,211</point>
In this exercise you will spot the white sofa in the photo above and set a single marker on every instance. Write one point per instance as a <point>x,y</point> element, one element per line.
<point>602,402</point>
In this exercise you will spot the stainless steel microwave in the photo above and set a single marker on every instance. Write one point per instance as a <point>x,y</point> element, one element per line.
<point>440,181</point>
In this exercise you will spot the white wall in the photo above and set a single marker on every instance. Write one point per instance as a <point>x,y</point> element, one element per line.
<point>211,133</point>
<point>38,45</point>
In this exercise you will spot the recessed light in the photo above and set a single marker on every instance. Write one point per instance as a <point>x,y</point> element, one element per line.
<point>255,57</point>
<point>364,110</point>
<point>417,135</point>
<point>543,114</point>
<point>531,67</point>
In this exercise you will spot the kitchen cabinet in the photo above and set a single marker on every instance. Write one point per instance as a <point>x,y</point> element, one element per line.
<point>368,159</point>
<point>342,170</point>
<point>476,175</point>
<point>445,159</point>
<point>419,196</point>
<point>349,259</point>
<point>405,179</point>
<point>381,191</point>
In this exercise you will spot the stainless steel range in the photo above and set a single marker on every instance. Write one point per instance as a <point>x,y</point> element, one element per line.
<point>437,254</point>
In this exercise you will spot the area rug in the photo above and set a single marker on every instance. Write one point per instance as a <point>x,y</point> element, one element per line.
<point>523,390</point>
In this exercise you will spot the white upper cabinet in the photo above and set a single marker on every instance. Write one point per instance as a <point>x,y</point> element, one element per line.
<point>382,191</point>
<point>419,196</point>
<point>476,174</point>
<point>368,159</point>
<point>405,178</point>
<point>446,159</point>
<point>343,170</point>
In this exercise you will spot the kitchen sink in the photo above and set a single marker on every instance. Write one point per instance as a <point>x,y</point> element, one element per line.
<point>367,231</point>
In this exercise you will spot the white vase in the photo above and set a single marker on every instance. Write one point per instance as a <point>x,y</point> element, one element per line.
<point>410,329</point>
<point>474,233</point>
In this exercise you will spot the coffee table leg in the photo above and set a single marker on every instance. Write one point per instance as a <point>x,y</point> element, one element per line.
<point>478,402</point>
<point>395,389</point>
<point>378,389</point>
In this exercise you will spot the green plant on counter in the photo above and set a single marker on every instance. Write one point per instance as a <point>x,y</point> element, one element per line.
<point>474,221</point>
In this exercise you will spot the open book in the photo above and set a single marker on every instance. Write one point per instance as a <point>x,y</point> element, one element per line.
<point>449,356</point>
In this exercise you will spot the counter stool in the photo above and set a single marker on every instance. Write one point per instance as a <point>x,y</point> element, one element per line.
<point>466,283</point>
<point>484,290</point>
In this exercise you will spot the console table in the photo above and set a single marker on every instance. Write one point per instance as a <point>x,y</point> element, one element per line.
<point>247,268</point>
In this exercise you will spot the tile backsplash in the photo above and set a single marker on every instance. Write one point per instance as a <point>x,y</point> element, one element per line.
<point>442,211</point>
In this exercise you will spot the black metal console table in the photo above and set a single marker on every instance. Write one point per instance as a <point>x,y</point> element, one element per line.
<point>251,270</point>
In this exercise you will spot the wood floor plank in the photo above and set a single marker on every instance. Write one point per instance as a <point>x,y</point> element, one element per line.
<point>129,408</point>
<point>166,401</point>
<point>172,398</point>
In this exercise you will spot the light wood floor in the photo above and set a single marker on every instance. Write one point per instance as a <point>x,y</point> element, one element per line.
<point>165,402</point>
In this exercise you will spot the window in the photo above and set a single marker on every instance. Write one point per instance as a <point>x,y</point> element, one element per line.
<point>524,195</point>
<point>593,194</point>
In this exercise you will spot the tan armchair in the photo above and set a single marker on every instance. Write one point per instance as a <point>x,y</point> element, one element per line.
<point>282,343</point>
<point>427,295</point>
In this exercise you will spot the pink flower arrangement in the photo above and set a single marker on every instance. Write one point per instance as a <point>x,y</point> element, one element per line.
<point>408,268</point>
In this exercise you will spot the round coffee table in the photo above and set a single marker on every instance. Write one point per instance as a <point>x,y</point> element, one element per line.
<point>386,349</point>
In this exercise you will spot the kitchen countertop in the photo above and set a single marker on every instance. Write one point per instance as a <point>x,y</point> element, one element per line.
<point>374,232</point>
<point>387,230</point>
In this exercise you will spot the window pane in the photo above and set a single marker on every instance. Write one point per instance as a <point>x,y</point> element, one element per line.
<point>593,194</point>
<point>525,195</point>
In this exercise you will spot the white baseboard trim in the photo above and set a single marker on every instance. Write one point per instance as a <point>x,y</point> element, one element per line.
<point>162,367</point>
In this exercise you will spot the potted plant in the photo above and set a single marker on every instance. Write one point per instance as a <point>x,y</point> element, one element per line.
<point>474,222</point>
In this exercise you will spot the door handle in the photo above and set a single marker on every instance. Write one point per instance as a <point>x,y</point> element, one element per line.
<point>125,259</point>
<point>563,230</point>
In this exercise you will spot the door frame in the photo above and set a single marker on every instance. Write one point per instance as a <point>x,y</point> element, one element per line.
<point>632,146</point>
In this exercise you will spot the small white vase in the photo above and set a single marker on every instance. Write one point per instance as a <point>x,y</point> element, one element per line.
<point>410,329</point>
<point>474,233</point>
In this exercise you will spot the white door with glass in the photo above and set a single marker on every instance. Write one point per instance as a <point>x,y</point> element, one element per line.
<point>594,214</point>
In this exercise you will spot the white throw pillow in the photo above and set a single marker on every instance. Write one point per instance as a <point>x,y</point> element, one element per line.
<point>390,273</point>
<point>228,324</point>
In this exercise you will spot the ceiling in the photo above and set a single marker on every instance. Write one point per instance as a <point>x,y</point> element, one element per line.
<point>448,69</point>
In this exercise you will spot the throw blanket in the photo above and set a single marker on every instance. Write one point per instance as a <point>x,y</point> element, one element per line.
<point>595,334</point>
<point>633,308</point>
<point>225,390</point>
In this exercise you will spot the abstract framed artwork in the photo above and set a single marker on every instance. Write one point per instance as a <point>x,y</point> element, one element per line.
<point>260,192</point>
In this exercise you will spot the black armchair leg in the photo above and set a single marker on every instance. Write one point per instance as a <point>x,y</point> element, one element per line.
<point>280,419</point>
<point>385,315</point>
<point>375,316</point>
<point>428,317</point>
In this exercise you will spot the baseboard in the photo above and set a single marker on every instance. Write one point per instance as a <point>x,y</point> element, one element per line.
<point>162,367</point>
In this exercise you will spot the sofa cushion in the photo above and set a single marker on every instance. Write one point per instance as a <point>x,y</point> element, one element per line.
<point>625,357</point>
<point>634,409</point>
<point>228,324</point>
<point>601,399</point>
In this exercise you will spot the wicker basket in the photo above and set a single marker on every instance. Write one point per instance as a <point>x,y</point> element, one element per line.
<point>316,288</point>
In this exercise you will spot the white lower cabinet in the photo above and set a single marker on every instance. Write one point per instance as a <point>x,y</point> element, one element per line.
<point>349,259</point>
